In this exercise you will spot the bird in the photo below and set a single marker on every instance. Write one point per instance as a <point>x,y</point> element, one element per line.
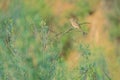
<point>74,23</point>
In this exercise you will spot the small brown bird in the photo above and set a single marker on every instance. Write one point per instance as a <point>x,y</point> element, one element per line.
<point>74,23</point>
<point>77,25</point>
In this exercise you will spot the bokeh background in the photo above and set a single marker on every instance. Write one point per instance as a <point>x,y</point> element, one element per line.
<point>35,44</point>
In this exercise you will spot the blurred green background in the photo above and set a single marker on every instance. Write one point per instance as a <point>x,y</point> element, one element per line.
<point>35,44</point>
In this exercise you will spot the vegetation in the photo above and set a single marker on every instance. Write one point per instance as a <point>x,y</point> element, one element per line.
<point>35,46</point>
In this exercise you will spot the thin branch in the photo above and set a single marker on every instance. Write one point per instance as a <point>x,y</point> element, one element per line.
<point>107,75</point>
<point>84,23</point>
<point>9,48</point>
<point>62,33</point>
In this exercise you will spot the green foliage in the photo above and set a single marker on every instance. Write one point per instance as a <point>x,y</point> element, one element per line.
<point>83,8</point>
<point>114,19</point>
<point>28,51</point>
<point>91,69</point>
